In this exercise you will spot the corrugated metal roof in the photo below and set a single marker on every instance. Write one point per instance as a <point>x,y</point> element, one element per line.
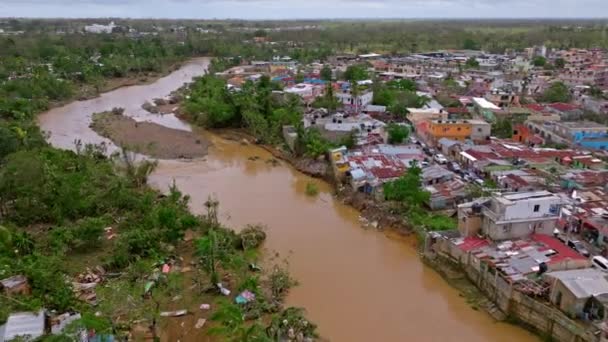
<point>583,283</point>
<point>24,324</point>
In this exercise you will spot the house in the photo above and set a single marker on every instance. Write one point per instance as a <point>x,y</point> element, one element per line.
<point>514,262</point>
<point>450,148</point>
<point>435,174</point>
<point>587,134</point>
<point>354,102</point>
<point>98,28</point>
<point>480,130</point>
<point>511,215</point>
<point>459,130</point>
<point>447,194</point>
<point>571,289</point>
<point>485,108</point>
<point>15,285</point>
<point>23,324</point>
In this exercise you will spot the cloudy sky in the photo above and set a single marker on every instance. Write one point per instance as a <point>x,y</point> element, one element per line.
<point>277,9</point>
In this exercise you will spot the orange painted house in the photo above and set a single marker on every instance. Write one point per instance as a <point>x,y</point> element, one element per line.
<point>452,129</point>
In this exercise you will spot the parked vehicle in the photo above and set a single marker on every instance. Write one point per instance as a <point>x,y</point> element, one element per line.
<point>579,247</point>
<point>479,181</point>
<point>413,140</point>
<point>454,167</point>
<point>424,163</point>
<point>600,263</point>
<point>439,158</point>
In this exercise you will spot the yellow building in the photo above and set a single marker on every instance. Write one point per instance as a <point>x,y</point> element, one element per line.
<point>452,129</point>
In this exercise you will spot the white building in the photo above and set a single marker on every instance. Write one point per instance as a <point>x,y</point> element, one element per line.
<point>98,28</point>
<point>362,101</point>
<point>511,215</point>
<point>302,90</point>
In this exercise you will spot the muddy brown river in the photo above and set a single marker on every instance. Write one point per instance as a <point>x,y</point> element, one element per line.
<point>356,284</point>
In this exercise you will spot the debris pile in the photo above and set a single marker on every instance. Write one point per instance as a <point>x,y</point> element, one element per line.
<point>85,283</point>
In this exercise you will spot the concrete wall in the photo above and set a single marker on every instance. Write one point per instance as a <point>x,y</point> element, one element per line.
<point>533,313</point>
<point>524,209</point>
<point>517,230</point>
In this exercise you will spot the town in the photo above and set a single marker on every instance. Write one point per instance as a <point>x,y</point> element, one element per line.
<point>370,168</point>
<point>513,146</point>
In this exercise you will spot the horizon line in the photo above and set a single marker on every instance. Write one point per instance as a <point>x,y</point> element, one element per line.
<point>311,19</point>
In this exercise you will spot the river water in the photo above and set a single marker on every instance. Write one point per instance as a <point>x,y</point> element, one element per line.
<point>356,284</point>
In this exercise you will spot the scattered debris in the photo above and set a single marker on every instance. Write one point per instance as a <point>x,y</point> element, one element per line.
<point>186,269</point>
<point>255,268</point>
<point>176,298</point>
<point>109,231</point>
<point>223,290</point>
<point>245,297</point>
<point>254,158</point>
<point>15,285</point>
<point>200,323</point>
<point>166,268</point>
<point>177,313</point>
<point>59,323</point>
<point>205,306</point>
<point>85,283</point>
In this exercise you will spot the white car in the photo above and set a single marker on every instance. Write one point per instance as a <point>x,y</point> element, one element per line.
<point>439,158</point>
<point>600,263</point>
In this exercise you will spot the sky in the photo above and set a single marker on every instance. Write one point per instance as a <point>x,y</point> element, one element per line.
<point>295,9</point>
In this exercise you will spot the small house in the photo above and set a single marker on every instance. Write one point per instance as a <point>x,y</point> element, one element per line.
<point>570,290</point>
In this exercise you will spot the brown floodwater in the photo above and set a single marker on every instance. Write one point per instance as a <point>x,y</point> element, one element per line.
<point>356,284</point>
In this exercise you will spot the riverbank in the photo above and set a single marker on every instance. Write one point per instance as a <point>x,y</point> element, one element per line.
<point>149,138</point>
<point>335,282</point>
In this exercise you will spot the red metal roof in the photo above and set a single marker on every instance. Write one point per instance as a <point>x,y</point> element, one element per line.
<point>471,242</point>
<point>535,107</point>
<point>563,107</point>
<point>563,251</point>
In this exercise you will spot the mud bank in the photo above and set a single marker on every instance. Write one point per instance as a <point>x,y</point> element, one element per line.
<point>149,138</point>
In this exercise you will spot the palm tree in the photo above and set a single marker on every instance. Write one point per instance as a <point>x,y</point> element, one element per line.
<point>354,92</point>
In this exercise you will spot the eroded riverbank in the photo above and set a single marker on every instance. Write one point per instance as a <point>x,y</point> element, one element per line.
<point>357,284</point>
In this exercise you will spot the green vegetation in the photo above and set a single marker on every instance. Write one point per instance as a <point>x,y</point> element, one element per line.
<point>503,129</point>
<point>557,92</point>
<point>254,107</point>
<point>357,72</point>
<point>397,96</point>
<point>312,189</point>
<point>408,194</point>
<point>397,134</point>
<point>539,61</point>
<point>326,73</point>
<point>226,255</point>
<point>471,63</point>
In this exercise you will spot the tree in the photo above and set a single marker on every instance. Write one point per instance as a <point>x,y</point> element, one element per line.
<point>560,63</point>
<point>326,73</point>
<point>470,44</point>
<point>299,78</point>
<point>471,63</point>
<point>356,72</point>
<point>503,129</point>
<point>404,84</point>
<point>407,189</point>
<point>539,61</point>
<point>557,92</point>
<point>397,133</point>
